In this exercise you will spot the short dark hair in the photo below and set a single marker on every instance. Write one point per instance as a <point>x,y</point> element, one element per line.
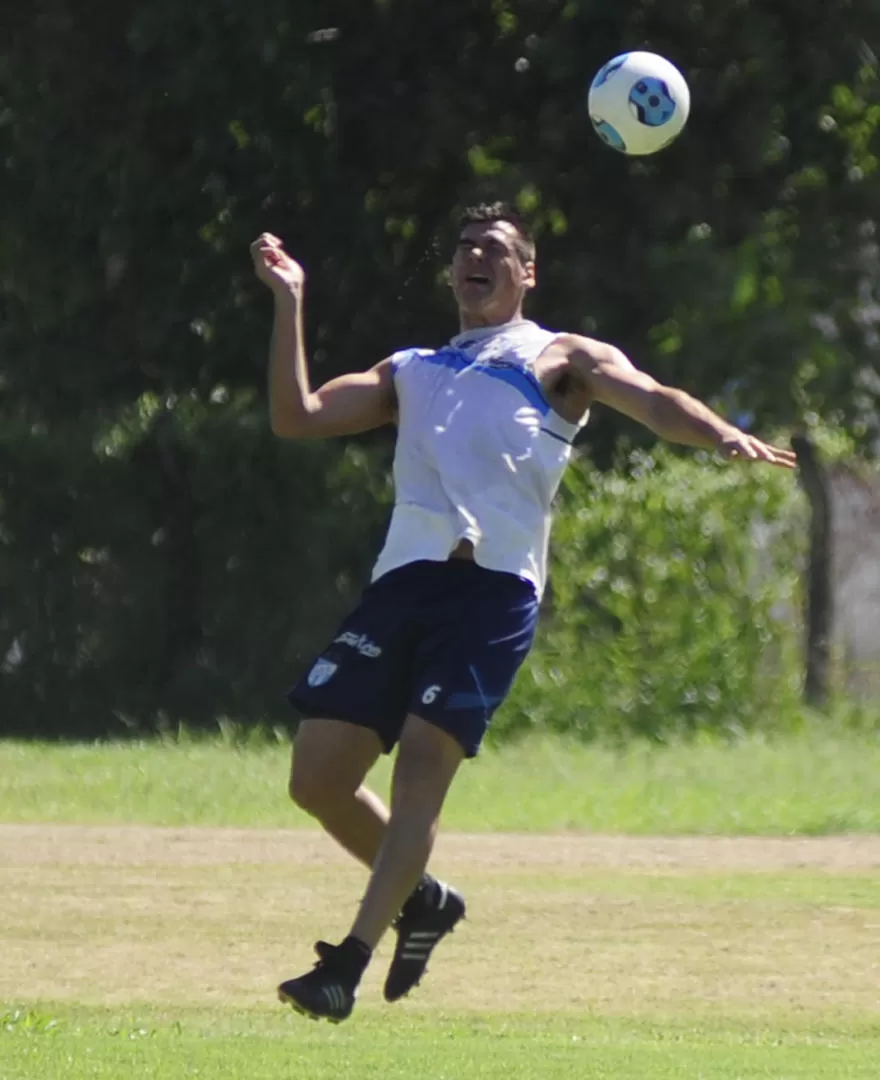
<point>486,213</point>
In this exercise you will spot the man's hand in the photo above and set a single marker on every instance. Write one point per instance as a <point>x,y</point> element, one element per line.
<point>740,446</point>
<point>274,267</point>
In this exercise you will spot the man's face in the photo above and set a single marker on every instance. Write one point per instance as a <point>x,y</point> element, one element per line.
<point>488,274</point>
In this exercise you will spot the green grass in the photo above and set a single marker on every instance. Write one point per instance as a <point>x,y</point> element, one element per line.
<point>232,1045</point>
<point>813,783</point>
<point>153,952</point>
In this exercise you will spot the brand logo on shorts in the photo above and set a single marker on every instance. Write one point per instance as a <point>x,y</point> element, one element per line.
<point>322,672</point>
<point>361,643</point>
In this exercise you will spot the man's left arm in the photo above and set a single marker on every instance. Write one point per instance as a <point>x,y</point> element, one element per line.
<point>672,414</point>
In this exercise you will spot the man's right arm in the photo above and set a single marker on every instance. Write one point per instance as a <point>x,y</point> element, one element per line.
<point>346,405</point>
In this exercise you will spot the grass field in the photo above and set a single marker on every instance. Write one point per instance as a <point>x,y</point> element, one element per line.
<point>148,942</point>
<point>819,782</point>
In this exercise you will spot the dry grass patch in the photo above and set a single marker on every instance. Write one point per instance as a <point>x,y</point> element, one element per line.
<point>108,916</point>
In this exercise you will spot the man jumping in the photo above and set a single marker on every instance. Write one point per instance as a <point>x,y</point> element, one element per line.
<point>484,432</point>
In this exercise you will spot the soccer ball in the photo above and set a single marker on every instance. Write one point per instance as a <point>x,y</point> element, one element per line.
<point>639,103</point>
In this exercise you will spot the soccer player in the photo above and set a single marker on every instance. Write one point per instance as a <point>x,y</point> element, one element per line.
<point>484,432</point>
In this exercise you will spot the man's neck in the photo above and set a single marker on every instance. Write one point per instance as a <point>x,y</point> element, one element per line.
<point>467,321</point>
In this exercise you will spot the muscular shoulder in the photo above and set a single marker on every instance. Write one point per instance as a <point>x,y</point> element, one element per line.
<point>587,354</point>
<point>576,367</point>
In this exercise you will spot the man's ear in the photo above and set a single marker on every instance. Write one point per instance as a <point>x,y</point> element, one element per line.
<point>529,275</point>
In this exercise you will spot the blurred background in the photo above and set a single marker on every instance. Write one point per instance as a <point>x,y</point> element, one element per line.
<point>165,561</point>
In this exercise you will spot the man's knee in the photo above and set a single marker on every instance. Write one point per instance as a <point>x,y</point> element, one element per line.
<point>311,789</point>
<point>330,761</point>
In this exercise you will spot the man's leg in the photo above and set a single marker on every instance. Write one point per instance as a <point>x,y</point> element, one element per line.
<point>331,758</point>
<point>427,761</point>
<point>426,764</point>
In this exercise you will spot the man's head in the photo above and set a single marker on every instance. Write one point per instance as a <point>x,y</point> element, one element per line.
<point>494,265</point>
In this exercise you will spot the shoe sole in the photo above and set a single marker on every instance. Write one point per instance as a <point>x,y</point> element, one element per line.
<point>286,999</point>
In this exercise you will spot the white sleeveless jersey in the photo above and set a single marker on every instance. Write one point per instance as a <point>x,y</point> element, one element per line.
<point>480,453</point>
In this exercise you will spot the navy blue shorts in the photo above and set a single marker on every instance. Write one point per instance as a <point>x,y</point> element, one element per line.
<point>443,640</point>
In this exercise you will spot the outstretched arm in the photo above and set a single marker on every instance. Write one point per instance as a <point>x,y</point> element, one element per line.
<point>346,405</point>
<point>672,414</point>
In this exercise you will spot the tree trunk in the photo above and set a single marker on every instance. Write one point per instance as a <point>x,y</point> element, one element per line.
<point>819,599</point>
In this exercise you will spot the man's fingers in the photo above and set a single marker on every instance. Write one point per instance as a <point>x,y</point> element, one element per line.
<point>266,242</point>
<point>778,456</point>
<point>784,455</point>
<point>754,450</point>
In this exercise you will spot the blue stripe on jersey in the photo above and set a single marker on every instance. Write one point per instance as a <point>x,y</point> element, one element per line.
<point>512,374</point>
<point>398,359</point>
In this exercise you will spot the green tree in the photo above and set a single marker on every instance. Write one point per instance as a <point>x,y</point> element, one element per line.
<point>159,552</point>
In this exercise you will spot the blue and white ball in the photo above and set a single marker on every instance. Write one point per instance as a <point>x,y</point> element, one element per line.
<point>639,103</point>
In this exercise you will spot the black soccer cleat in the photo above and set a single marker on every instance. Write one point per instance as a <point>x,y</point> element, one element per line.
<point>427,917</point>
<point>327,992</point>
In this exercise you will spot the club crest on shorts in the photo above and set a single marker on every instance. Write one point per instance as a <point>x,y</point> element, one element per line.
<point>322,672</point>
